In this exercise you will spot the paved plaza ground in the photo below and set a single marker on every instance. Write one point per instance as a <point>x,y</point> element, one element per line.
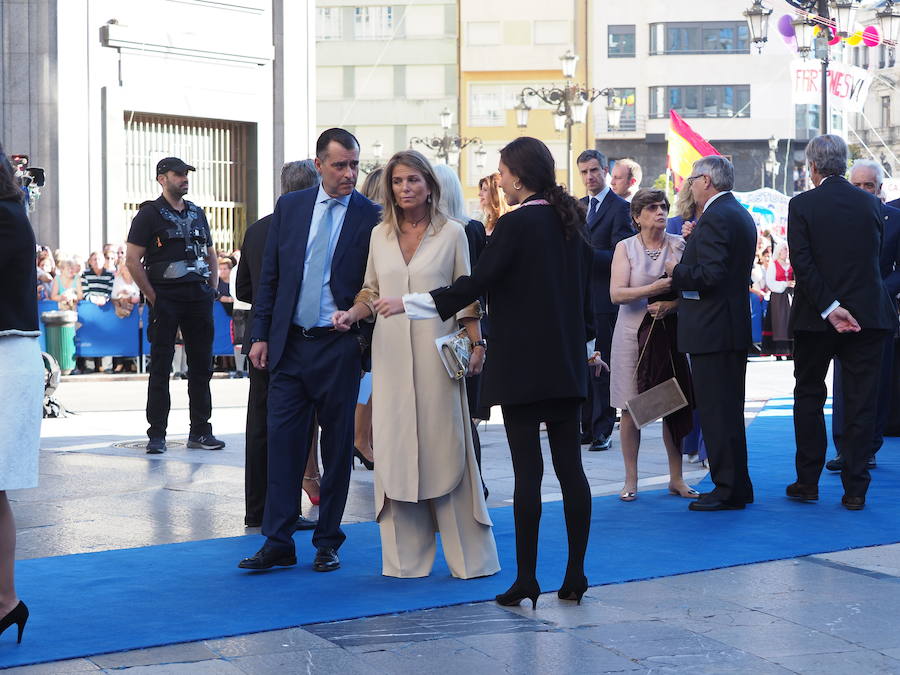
<point>832,613</point>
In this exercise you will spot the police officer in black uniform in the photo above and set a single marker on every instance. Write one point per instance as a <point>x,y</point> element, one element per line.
<point>172,259</point>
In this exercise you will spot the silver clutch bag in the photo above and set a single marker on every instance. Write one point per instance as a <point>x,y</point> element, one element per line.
<point>455,351</point>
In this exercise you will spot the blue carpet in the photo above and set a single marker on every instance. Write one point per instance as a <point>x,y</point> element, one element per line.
<point>117,600</point>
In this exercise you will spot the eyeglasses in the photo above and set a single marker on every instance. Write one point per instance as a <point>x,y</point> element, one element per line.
<point>691,179</point>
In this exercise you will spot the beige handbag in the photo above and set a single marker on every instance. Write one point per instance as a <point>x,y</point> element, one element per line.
<point>455,351</point>
<point>659,401</point>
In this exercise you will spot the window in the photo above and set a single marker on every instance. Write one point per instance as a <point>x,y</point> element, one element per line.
<point>885,112</point>
<point>621,42</point>
<point>625,99</point>
<point>425,21</point>
<point>709,37</point>
<point>489,102</point>
<point>483,33</point>
<point>328,23</point>
<point>552,33</point>
<point>373,23</point>
<point>701,101</point>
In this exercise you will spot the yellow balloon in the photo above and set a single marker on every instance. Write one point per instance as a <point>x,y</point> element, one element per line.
<point>816,30</point>
<point>855,39</point>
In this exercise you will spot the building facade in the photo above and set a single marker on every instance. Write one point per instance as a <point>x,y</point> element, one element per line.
<point>97,91</point>
<point>386,72</point>
<point>506,46</point>
<point>697,58</point>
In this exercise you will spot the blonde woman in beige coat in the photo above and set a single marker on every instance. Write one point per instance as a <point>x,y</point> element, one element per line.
<point>426,477</point>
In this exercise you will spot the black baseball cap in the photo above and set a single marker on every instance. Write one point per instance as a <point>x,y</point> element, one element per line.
<point>172,164</point>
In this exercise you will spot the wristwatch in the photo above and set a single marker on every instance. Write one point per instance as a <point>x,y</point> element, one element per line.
<point>480,343</point>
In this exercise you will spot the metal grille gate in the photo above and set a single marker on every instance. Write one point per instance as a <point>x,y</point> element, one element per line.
<point>218,149</point>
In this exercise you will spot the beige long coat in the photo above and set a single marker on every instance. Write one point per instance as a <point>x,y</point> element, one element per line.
<point>420,416</point>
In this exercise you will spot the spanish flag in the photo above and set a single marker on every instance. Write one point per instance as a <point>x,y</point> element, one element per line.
<point>686,146</point>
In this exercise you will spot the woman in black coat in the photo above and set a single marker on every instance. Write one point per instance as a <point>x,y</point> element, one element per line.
<point>536,264</point>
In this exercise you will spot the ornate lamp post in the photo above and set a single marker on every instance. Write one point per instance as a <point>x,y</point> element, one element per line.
<point>889,21</point>
<point>377,154</point>
<point>571,102</point>
<point>841,12</point>
<point>448,147</point>
<point>772,163</point>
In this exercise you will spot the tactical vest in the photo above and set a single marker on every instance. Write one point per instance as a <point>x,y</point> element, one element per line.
<point>186,228</point>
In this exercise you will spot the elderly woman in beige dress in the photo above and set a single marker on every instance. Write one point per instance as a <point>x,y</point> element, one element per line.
<point>638,275</point>
<point>426,477</point>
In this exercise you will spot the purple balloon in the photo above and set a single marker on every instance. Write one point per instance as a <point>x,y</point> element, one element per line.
<point>785,27</point>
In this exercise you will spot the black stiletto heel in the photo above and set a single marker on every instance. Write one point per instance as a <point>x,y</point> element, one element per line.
<point>19,616</point>
<point>518,592</point>
<point>368,463</point>
<point>573,591</point>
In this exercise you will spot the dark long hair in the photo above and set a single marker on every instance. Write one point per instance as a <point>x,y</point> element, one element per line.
<point>531,160</point>
<point>9,186</point>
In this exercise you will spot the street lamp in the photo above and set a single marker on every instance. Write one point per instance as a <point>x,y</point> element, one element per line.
<point>772,164</point>
<point>570,102</point>
<point>844,15</point>
<point>448,147</point>
<point>758,23</point>
<point>889,21</point>
<point>377,154</point>
<point>803,33</point>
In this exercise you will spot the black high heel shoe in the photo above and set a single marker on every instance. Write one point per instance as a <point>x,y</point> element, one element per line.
<point>368,463</point>
<point>19,616</point>
<point>573,590</point>
<point>518,592</point>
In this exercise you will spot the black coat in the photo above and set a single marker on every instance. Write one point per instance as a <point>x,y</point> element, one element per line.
<point>835,235</point>
<point>540,307</point>
<point>18,309</point>
<point>716,263</point>
<point>247,281</point>
<point>611,225</point>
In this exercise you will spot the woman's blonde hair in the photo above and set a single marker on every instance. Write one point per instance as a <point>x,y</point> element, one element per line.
<point>685,206</point>
<point>497,205</point>
<point>392,212</point>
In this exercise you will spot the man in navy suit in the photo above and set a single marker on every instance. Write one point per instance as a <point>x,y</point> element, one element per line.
<point>314,265</point>
<point>608,222</point>
<point>868,175</point>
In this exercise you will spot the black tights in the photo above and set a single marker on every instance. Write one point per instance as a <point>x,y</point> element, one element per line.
<point>523,433</point>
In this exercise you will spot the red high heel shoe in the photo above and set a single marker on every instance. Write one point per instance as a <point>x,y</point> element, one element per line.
<point>314,500</point>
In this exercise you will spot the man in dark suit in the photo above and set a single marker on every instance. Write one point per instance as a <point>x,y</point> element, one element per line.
<point>294,176</point>
<point>714,326</point>
<point>841,309</point>
<point>608,222</point>
<point>868,175</point>
<point>313,266</point>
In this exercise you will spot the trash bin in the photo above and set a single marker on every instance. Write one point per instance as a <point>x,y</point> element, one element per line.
<point>61,337</point>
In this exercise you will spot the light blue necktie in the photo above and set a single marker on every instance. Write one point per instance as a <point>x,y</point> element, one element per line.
<point>311,293</point>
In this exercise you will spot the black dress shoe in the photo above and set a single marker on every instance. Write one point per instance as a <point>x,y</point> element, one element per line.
<point>836,464</point>
<point>305,524</point>
<point>714,505</point>
<point>601,443</point>
<point>268,557</point>
<point>326,560</point>
<point>801,492</point>
<point>853,503</point>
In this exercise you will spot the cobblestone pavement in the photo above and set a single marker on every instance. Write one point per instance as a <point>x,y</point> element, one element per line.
<point>830,613</point>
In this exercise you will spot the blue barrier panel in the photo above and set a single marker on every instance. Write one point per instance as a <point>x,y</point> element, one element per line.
<point>222,345</point>
<point>102,333</point>
<point>44,306</point>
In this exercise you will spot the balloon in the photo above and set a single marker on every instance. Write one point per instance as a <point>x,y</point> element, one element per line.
<point>854,39</point>
<point>785,27</point>
<point>870,36</point>
<point>834,37</point>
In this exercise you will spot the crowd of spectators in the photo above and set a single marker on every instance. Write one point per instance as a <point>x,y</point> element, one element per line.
<point>67,279</point>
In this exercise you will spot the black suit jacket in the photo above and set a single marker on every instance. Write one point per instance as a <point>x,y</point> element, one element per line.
<point>716,263</point>
<point>281,274</point>
<point>612,225</point>
<point>540,306</point>
<point>247,281</point>
<point>835,235</point>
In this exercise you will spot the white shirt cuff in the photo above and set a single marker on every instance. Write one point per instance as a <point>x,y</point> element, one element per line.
<point>420,306</point>
<point>833,306</point>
